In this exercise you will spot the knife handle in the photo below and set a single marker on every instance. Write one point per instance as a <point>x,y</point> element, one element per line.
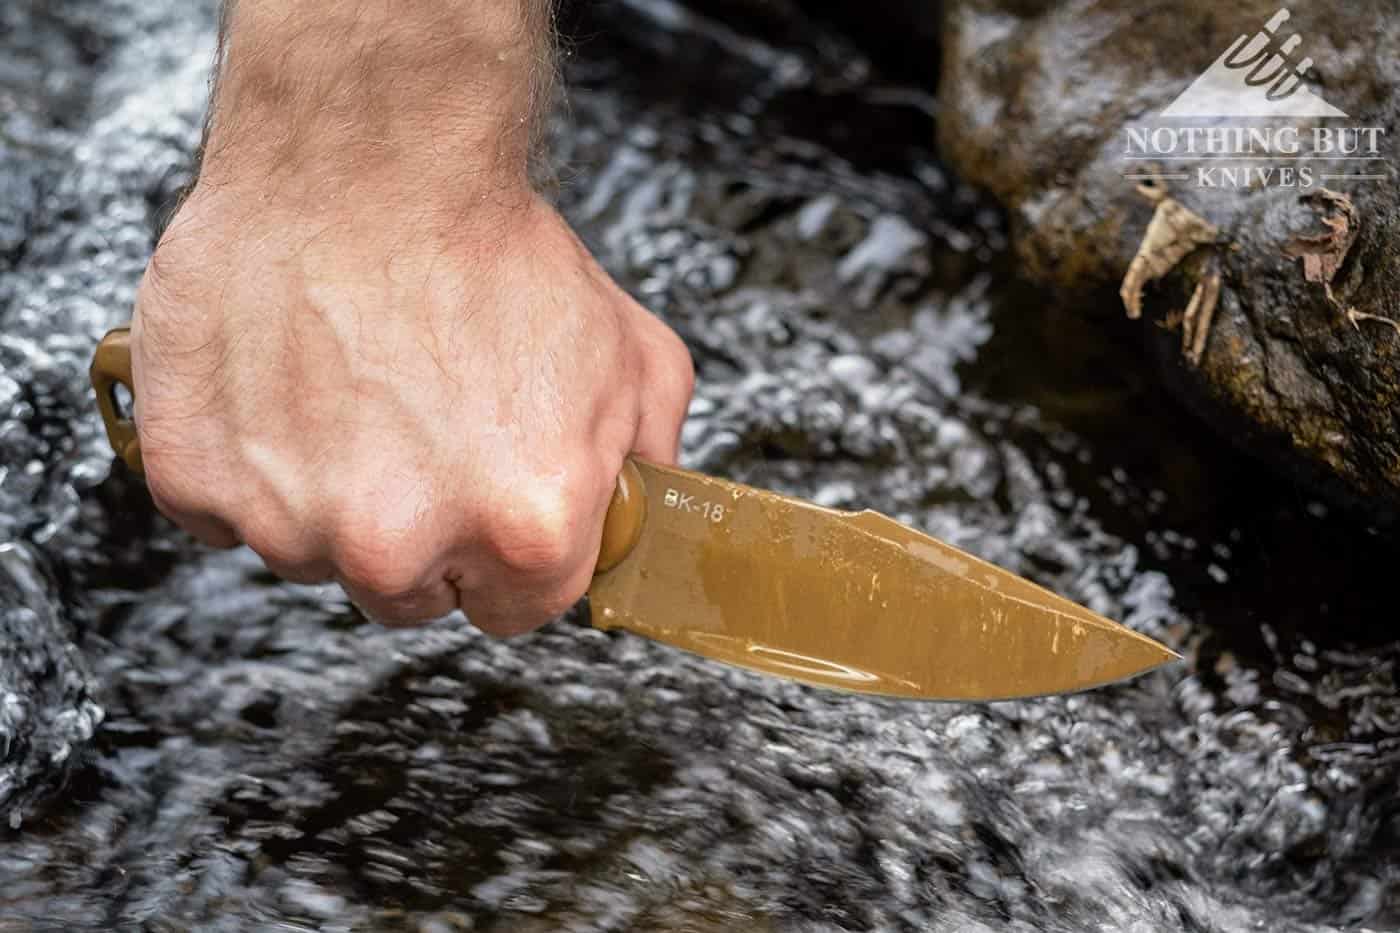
<point>111,367</point>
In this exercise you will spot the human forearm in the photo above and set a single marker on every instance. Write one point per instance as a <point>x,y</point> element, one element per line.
<point>446,93</point>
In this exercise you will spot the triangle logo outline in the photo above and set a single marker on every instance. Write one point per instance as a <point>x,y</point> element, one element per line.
<point>1255,77</point>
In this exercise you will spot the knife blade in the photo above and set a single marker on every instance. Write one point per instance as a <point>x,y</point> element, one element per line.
<point>852,601</point>
<point>849,600</point>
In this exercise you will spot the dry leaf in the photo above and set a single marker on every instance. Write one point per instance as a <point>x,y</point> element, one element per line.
<point>1174,232</point>
<point>1324,253</point>
<point>1200,314</point>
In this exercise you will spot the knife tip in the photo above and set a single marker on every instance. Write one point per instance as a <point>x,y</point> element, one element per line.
<point>1146,654</point>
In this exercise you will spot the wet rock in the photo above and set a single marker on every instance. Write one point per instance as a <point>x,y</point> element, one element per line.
<point>48,713</point>
<point>1035,105</point>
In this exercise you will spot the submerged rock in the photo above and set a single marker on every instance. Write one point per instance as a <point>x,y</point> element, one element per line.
<point>1302,362</point>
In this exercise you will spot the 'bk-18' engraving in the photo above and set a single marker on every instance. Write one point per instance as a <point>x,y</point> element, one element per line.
<point>685,502</point>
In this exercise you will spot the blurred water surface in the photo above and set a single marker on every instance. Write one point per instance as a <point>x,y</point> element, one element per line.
<point>222,751</point>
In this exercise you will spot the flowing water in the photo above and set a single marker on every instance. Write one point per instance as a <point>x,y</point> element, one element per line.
<point>187,743</point>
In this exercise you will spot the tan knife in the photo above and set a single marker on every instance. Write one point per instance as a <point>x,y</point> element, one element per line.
<point>849,600</point>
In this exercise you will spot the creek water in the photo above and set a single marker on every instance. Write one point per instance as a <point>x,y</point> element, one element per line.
<point>189,743</point>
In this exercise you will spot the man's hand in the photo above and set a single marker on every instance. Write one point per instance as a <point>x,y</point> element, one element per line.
<point>367,350</point>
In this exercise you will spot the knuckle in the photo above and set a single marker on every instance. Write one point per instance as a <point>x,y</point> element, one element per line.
<point>534,547</point>
<point>536,536</point>
<point>278,545</point>
<point>378,559</point>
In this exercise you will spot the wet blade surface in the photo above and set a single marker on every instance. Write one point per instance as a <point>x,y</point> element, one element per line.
<point>850,600</point>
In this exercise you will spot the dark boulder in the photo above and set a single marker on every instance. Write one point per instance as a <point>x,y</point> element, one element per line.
<point>1301,363</point>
